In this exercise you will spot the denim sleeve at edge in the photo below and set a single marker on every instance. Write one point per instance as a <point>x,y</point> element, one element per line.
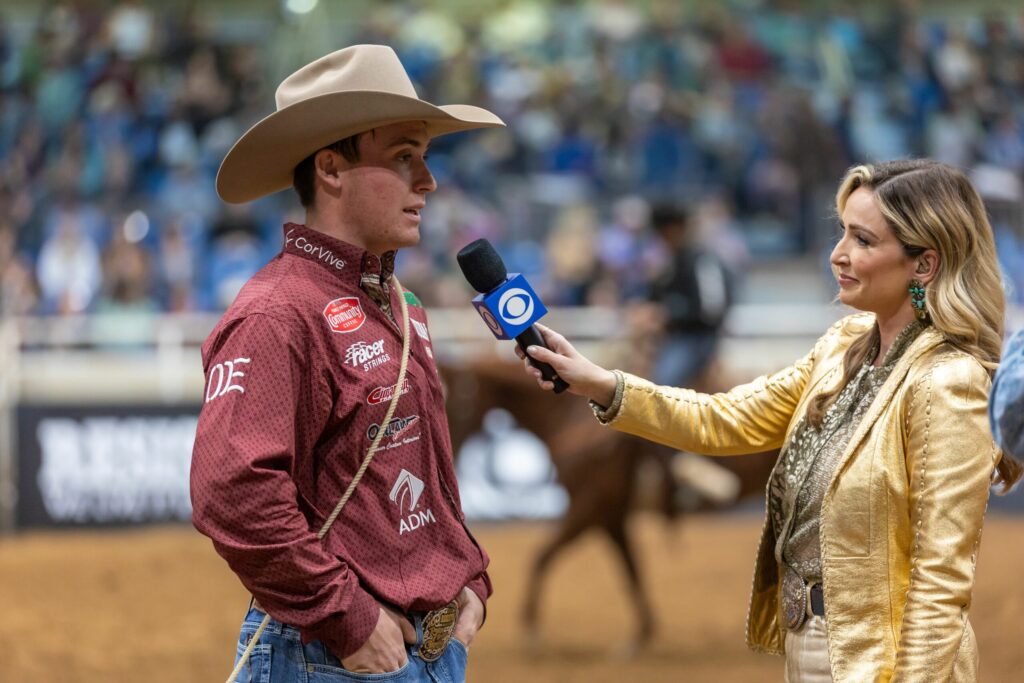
<point>1006,404</point>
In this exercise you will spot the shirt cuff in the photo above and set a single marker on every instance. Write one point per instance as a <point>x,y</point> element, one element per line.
<point>604,415</point>
<point>481,585</point>
<point>344,633</point>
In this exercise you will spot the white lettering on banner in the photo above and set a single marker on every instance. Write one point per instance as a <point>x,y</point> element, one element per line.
<point>369,355</point>
<point>225,373</point>
<point>406,495</point>
<point>421,329</point>
<point>107,469</point>
<point>317,251</point>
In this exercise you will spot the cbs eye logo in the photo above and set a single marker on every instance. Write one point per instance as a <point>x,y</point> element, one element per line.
<point>515,306</point>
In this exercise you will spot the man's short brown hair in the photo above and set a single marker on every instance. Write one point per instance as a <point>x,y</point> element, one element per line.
<point>304,175</point>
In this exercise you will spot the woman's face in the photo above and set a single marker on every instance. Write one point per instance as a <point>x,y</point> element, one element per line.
<point>870,264</point>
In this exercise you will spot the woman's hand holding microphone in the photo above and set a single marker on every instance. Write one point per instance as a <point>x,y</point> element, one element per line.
<point>585,378</point>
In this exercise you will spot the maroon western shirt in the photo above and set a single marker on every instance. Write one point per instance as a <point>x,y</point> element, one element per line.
<point>299,372</point>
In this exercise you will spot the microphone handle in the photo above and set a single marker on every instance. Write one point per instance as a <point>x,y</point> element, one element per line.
<point>531,337</point>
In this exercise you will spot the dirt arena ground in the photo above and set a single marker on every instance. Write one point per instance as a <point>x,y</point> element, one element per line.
<point>159,605</point>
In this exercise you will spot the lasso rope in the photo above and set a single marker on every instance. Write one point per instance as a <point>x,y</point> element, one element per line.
<point>359,473</point>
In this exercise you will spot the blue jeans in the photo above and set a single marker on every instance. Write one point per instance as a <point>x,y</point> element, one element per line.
<point>280,657</point>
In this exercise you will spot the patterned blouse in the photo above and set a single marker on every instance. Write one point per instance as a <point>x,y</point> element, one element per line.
<point>805,469</point>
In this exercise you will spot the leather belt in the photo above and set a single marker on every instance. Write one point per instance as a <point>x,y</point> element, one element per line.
<point>817,600</point>
<point>438,629</point>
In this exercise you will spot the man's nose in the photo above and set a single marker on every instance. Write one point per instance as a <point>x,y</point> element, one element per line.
<point>425,181</point>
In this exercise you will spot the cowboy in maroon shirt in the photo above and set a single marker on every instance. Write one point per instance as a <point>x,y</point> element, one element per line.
<point>299,375</point>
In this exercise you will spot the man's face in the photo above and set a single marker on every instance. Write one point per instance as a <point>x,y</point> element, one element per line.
<point>384,192</point>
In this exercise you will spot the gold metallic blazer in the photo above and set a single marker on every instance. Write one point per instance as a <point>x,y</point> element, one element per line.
<point>901,519</point>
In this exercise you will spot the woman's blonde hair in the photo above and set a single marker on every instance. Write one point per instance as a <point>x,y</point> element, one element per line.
<point>930,205</point>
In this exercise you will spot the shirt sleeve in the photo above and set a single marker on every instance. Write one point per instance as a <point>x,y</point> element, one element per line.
<point>1006,407</point>
<point>243,494</point>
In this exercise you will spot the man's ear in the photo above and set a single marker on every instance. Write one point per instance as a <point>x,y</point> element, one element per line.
<point>327,165</point>
<point>926,266</point>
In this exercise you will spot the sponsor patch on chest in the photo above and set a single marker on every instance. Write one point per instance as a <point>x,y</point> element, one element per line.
<point>368,355</point>
<point>421,329</point>
<point>406,495</point>
<point>384,394</point>
<point>397,427</point>
<point>344,315</point>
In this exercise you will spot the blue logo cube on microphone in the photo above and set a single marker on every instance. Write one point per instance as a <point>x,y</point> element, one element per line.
<point>511,308</point>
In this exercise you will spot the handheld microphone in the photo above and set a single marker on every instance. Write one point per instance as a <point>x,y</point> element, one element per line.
<point>508,305</point>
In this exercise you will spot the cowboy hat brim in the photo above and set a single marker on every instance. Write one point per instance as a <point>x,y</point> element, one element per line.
<point>263,160</point>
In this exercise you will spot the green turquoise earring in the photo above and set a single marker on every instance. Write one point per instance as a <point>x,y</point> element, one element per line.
<point>917,299</point>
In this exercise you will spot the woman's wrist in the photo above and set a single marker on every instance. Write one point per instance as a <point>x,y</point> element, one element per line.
<point>604,388</point>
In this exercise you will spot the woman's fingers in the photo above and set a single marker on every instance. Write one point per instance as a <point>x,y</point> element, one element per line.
<point>545,355</point>
<point>556,341</point>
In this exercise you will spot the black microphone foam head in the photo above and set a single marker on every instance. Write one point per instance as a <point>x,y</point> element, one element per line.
<point>482,265</point>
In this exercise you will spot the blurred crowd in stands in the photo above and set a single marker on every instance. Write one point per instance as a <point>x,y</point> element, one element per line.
<point>115,117</point>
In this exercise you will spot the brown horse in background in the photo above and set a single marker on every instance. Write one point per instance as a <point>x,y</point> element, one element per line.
<point>597,467</point>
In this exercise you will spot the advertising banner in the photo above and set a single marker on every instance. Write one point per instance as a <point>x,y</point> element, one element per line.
<point>103,466</point>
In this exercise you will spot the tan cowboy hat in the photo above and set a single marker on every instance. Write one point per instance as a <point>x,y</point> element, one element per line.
<point>344,93</point>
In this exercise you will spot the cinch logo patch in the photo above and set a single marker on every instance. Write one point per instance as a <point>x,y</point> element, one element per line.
<point>406,495</point>
<point>384,394</point>
<point>368,355</point>
<point>394,429</point>
<point>345,314</point>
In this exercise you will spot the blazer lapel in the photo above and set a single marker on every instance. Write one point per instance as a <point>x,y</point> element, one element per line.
<point>928,339</point>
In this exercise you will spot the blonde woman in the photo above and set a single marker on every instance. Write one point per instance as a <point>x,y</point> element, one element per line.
<point>875,506</point>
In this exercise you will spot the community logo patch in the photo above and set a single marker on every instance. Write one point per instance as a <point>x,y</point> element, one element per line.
<point>384,394</point>
<point>367,355</point>
<point>345,314</point>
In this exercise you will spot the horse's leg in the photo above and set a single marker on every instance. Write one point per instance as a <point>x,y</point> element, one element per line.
<point>572,525</point>
<point>619,535</point>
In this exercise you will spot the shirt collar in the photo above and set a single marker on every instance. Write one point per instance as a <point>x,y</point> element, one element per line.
<point>345,261</point>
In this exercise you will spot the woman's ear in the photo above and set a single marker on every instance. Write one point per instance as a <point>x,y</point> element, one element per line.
<point>926,266</point>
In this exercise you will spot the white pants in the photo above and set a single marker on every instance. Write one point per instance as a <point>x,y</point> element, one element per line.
<point>807,653</point>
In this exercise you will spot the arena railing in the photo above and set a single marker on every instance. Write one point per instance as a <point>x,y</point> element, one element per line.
<point>147,360</point>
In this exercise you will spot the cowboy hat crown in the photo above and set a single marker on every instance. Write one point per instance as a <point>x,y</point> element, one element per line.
<point>341,94</point>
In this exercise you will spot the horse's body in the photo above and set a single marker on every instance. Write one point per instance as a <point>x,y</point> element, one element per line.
<point>598,467</point>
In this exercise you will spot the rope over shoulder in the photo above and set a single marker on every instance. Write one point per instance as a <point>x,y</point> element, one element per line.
<point>374,446</point>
